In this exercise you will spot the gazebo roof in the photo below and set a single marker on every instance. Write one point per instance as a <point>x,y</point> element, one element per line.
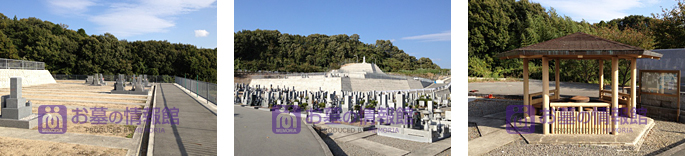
<point>579,46</point>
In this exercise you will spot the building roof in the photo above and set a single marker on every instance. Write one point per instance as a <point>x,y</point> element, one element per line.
<point>579,46</point>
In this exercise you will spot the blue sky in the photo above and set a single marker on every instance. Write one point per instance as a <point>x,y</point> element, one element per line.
<point>594,11</point>
<point>177,21</point>
<point>420,28</point>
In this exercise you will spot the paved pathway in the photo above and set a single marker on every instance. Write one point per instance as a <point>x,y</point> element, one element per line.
<point>196,131</point>
<point>493,136</point>
<point>516,88</point>
<point>253,136</point>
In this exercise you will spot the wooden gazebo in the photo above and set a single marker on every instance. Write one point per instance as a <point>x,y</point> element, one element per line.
<point>581,46</point>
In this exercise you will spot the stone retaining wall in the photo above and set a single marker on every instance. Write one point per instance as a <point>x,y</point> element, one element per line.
<point>663,107</point>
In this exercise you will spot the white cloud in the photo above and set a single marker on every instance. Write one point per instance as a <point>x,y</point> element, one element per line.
<point>443,36</point>
<point>392,40</point>
<point>201,33</point>
<point>596,10</point>
<point>67,7</point>
<point>144,16</point>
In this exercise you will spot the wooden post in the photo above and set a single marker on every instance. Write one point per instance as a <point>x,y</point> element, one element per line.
<point>633,87</point>
<point>545,94</point>
<point>614,94</point>
<point>556,77</point>
<point>526,92</point>
<point>601,77</point>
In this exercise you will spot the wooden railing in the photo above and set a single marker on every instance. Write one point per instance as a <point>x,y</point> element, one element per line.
<point>580,122</point>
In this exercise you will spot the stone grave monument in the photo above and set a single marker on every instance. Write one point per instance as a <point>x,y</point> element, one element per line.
<point>119,86</point>
<point>138,87</point>
<point>15,111</point>
<point>102,80</point>
<point>89,80</point>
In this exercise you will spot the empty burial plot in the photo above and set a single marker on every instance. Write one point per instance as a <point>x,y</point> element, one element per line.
<point>83,98</point>
<point>113,130</point>
<point>13,146</point>
<point>85,104</point>
<point>70,111</point>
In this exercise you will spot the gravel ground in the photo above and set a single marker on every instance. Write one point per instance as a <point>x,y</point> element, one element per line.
<point>397,143</point>
<point>473,131</point>
<point>663,136</point>
<point>481,107</point>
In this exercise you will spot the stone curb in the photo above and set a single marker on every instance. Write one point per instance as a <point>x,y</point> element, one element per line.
<point>139,136</point>
<point>323,144</point>
<point>151,138</point>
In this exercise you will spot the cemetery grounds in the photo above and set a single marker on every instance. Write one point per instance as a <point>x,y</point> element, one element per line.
<point>80,139</point>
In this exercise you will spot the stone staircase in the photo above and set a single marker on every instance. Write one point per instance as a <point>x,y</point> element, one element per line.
<point>345,83</point>
<point>414,84</point>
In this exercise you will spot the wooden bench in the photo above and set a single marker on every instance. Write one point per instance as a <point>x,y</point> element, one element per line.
<point>623,101</point>
<point>537,102</point>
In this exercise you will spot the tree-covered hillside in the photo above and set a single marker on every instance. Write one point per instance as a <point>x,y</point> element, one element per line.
<point>272,51</point>
<point>66,51</point>
<point>497,26</point>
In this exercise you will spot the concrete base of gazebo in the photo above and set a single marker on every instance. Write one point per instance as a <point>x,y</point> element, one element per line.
<point>630,136</point>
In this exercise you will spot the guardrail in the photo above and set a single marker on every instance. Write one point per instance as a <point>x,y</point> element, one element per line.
<point>200,88</point>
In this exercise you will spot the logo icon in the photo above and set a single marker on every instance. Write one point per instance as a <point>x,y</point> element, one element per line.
<point>517,121</point>
<point>52,119</point>
<point>283,123</point>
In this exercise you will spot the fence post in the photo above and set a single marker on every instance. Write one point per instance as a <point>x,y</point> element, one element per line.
<point>197,86</point>
<point>207,85</point>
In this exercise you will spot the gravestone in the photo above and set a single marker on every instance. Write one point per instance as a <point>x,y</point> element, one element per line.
<point>96,80</point>
<point>14,106</point>
<point>89,80</point>
<point>146,81</point>
<point>347,107</point>
<point>138,87</point>
<point>16,112</point>
<point>119,87</point>
<point>102,80</point>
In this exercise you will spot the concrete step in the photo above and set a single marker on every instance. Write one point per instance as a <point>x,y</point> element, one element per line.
<point>356,136</point>
<point>489,142</point>
<point>433,149</point>
<point>378,147</point>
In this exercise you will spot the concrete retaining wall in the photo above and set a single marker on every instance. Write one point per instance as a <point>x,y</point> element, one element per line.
<point>378,84</point>
<point>30,77</point>
<point>311,84</point>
